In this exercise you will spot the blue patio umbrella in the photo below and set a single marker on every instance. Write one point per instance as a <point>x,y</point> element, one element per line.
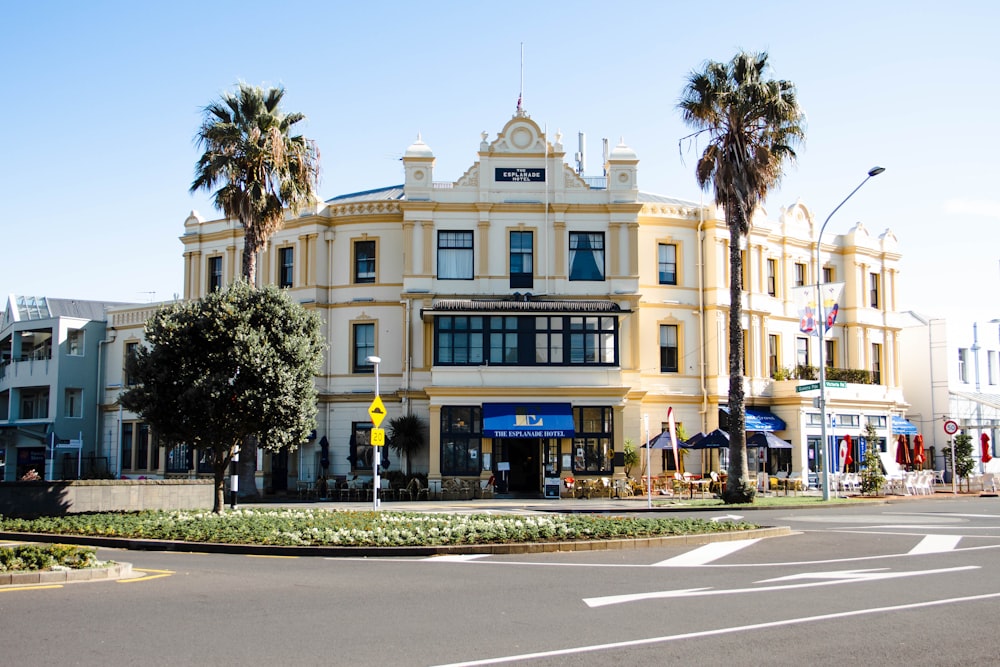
<point>767,439</point>
<point>716,438</point>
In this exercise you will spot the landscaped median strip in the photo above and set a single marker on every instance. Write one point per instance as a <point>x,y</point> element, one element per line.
<point>317,532</point>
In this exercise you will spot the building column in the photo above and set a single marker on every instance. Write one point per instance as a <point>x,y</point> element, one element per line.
<point>434,445</point>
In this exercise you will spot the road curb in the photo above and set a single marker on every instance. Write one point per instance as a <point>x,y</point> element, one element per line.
<point>405,551</point>
<point>42,577</point>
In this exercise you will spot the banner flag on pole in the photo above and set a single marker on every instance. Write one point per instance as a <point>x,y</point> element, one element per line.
<point>673,437</point>
<point>805,305</point>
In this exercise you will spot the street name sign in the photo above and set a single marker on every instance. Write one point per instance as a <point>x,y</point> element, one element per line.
<point>807,387</point>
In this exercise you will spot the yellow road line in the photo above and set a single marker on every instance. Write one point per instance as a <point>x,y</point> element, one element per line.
<point>262,556</point>
<point>5,589</point>
<point>159,575</point>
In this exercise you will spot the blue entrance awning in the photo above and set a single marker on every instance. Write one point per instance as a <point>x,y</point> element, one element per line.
<point>759,419</point>
<point>528,420</point>
<point>902,426</point>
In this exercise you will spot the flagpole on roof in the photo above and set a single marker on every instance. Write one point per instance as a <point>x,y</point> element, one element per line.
<point>520,90</point>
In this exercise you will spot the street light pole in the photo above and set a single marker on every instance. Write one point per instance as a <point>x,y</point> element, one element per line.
<point>376,451</point>
<point>821,322</point>
<point>649,470</point>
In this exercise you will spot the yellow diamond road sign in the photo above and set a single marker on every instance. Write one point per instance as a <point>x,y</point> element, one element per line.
<point>377,411</point>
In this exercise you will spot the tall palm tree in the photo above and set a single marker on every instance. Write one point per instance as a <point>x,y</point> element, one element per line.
<point>259,167</point>
<point>752,125</point>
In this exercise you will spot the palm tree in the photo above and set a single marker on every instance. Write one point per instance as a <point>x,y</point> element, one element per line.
<point>752,124</point>
<point>258,166</point>
<point>406,436</point>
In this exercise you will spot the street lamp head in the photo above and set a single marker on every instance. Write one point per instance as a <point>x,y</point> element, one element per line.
<point>373,360</point>
<point>875,171</point>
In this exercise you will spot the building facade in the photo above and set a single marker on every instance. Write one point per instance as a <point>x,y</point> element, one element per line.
<point>952,373</point>
<point>536,320</point>
<point>50,374</point>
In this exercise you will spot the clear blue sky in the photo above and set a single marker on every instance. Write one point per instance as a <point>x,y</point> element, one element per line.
<point>103,100</point>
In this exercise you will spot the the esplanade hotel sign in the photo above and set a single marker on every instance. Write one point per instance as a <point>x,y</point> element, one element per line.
<point>519,175</point>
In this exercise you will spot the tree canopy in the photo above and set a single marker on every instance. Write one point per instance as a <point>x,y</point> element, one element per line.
<point>752,124</point>
<point>258,165</point>
<point>237,364</point>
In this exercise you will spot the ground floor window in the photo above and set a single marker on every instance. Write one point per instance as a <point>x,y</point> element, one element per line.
<point>180,458</point>
<point>361,446</point>
<point>592,445</point>
<point>461,440</point>
<point>140,451</point>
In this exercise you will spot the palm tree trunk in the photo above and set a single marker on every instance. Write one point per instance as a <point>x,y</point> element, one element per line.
<point>738,487</point>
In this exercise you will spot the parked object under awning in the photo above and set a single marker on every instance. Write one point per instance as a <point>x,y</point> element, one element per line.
<point>528,420</point>
<point>902,426</point>
<point>759,419</point>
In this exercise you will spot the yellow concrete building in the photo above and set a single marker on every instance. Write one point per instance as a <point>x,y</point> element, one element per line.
<point>536,320</point>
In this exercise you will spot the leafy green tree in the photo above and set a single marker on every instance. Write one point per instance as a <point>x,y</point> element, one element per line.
<point>964,463</point>
<point>872,479</point>
<point>259,167</point>
<point>238,364</point>
<point>752,124</point>
<point>630,456</point>
<point>406,436</point>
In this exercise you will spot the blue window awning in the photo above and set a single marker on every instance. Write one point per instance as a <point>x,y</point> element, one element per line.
<point>759,419</point>
<point>528,420</point>
<point>903,427</point>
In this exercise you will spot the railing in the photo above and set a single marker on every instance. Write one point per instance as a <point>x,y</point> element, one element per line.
<point>852,375</point>
<point>596,182</point>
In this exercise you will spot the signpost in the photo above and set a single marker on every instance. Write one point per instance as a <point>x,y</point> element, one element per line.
<point>377,413</point>
<point>951,428</point>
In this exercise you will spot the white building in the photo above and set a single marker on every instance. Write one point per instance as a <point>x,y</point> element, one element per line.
<point>952,373</point>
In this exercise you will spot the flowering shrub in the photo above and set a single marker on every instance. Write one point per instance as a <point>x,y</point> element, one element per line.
<point>319,527</point>
<point>32,557</point>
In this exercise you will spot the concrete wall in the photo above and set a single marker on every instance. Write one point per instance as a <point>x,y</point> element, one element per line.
<point>52,498</point>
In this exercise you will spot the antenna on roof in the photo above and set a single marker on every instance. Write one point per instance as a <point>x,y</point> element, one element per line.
<point>605,162</point>
<point>520,90</point>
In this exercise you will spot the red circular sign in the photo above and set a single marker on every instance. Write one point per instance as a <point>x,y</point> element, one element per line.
<point>951,427</point>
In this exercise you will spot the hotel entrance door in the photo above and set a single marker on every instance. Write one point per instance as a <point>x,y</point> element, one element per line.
<point>522,455</point>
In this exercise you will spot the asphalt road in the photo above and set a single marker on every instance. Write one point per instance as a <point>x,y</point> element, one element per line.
<point>914,583</point>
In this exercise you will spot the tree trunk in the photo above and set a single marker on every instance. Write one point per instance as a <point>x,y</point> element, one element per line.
<point>738,486</point>
<point>249,264</point>
<point>219,469</point>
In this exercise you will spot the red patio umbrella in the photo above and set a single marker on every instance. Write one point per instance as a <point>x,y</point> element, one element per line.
<point>902,452</point>
<point>985,440</point>
<point>918,450</point>
<point>848,460</point>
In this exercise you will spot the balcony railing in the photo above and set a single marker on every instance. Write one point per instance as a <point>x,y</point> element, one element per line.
<point>852,375</point>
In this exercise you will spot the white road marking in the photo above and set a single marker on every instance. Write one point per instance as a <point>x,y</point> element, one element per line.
<point>936,544</point>
<point>716,632</point>
<point>826,579</point>
<point>455,558</point>
<point>706,554</point>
